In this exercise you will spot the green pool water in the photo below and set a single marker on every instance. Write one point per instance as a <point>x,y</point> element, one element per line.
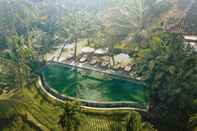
<point>92,85</point>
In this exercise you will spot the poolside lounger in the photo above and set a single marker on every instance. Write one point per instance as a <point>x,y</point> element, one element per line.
<point>83,59</point>
<point>116,67</point>
<point>127,68</point>
<point>104,64</point>
<point>93,62</point>
<point>69,57</point>
<point>62,60</point>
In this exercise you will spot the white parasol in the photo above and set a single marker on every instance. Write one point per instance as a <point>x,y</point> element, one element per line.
<point>87,50</point>
<point>122,58</point>
<point>69,46</point>
<point>100,51</point>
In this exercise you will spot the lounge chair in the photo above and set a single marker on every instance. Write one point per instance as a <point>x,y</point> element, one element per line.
<point>104,64</point>
<point>83,59</point>
<point>116,67</point>
<point>127,68</point>
<point>69,57</point>
<point>138,78</point>
<point>122,67</point>
<point>93,62</point>
<point>62,61</point>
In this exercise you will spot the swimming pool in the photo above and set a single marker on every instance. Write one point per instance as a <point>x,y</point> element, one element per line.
<point>92,85</point>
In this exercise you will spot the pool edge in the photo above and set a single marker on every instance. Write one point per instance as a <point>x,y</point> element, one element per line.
<point>91,104</point>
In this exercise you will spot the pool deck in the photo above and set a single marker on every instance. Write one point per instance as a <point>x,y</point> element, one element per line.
<point>98,69</point>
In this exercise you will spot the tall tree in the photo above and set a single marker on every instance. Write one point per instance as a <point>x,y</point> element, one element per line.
<point>80,22</point>
<point>170,70</point>
<point>73,25</point>
<point>72,117</point>
<point>16,17</point>
<point>136,18</point>
<point>17,60</point>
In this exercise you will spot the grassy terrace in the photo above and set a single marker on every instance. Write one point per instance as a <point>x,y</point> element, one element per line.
<point>42,113</point>
<point>148,40</point>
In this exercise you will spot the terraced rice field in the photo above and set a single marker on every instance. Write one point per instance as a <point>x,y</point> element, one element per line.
<point>99,122</point>
<point>43,113</point>
<point>105,120</point>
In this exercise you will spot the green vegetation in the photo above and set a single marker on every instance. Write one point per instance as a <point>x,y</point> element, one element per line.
<point>170,70</point>
<point>28,110</point>
<point>32,29</point>
<point>72,117</point>
<point>31,109</point>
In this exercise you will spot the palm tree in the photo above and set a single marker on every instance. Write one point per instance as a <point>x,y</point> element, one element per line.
<point>8,73</point>
<point>21,54</point>
<point>111,40</point>
<point>15,105</point>
<point>193,122</point>
<point>16,17</point>
<point>136,17</point>
<point>134,123</point>
<point>79,23</point>
<point>11,102</point>
<point>72,23</point>
<point>170,70</point>
<point>72,117</point>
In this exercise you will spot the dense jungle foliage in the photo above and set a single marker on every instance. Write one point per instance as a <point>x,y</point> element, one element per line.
<point>30,29</point>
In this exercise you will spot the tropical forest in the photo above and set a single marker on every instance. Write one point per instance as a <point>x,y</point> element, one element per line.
<point>98,65</point>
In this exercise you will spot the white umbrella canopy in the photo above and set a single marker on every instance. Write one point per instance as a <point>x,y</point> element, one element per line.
<point>100,51</point>
<point>122,58</point>
<point>69,46</point>
<point>190,37</point>
<point>87,50</point>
